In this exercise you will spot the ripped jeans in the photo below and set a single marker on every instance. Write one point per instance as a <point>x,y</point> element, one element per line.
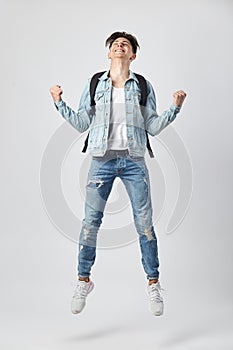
<point>134,174</point>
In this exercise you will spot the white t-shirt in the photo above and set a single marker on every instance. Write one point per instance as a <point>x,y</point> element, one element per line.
<point>117,136</point>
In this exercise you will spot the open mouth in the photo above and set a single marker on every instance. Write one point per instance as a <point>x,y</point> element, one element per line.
<point>119,51</point>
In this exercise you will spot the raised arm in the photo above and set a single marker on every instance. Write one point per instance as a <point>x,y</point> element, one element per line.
<point>81,119</point>
<point>155,123</point>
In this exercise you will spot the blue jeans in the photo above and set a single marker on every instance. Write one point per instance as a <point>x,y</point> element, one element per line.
<point>134,174</point>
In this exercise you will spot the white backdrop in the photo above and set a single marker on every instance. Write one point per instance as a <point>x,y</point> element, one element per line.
<point>184,45</point>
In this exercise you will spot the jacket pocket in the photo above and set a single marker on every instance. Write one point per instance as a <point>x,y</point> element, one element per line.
<point>99,97</point>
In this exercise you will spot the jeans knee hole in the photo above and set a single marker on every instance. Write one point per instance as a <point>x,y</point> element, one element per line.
<point>148,234</point>
<point>95,183</point>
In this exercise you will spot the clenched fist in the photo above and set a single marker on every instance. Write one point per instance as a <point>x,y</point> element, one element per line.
<point>179,97</point>
<point>56,92</point>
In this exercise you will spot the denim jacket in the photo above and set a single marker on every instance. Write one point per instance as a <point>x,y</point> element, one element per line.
<point>138,119</point>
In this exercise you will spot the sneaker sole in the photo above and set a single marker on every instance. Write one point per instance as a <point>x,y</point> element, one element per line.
<point>156,313</point>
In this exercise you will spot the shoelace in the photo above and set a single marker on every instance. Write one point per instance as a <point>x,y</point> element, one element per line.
<point>155,293</point>
<point>81,290</point>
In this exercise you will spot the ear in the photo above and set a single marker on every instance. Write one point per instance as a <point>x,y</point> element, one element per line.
<point>109,55</point>
<point>133,57</point>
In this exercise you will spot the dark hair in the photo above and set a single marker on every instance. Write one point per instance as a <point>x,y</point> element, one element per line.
<point>133,41</point>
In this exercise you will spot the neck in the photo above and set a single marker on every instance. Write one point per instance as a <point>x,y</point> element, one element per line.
<point>119,73</point>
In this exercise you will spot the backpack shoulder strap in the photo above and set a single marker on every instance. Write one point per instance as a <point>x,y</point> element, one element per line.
<point>143,87</point>
<point>93,85</point>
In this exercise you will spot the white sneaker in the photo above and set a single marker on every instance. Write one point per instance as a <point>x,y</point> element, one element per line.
<point>80,294</point>
<point>155,299</point>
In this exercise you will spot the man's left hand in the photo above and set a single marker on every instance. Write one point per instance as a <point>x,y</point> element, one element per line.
<point>179,97</point>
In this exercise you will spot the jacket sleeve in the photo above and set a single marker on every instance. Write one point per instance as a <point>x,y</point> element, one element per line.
<point>81,119</point>
<point>155,123</point>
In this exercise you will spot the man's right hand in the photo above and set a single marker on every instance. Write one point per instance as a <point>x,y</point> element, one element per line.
<point>56,92</point>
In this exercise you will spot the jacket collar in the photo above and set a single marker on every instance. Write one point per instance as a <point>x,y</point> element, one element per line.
<point>131,76</point>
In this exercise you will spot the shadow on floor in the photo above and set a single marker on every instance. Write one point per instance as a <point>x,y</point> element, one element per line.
<point>95,334</point>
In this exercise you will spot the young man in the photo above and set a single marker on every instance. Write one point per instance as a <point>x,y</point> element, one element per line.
<point>117,143</point>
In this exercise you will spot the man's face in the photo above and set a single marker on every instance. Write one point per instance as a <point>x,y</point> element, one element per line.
<point>121,48</point>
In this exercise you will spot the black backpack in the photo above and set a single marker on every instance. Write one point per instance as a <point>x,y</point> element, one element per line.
<point>143,86</point>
